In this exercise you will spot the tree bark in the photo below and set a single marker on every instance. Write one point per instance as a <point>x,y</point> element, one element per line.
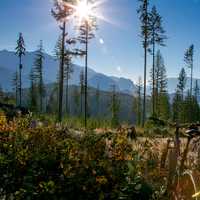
<point>86,71</point>
<point>61,78</point>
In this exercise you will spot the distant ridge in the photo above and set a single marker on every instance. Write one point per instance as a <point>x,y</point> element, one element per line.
<point>9,64</point>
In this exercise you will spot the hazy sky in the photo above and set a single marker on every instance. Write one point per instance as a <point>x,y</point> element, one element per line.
<point>117,47</point>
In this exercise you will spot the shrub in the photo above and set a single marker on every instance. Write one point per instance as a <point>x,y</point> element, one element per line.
<point>49,162</point>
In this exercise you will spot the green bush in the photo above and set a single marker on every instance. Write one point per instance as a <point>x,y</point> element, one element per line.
<point>49,162</point>
<point>154,126</point>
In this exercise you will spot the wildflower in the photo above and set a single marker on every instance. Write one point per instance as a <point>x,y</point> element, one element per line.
<point>102,180</point>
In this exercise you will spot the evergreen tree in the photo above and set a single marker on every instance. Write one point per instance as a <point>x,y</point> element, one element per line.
<point>182,79</point>
<point>97,99</point>
<point>189,58</point>
<point>61,12</point>
<point>178,101</point>
<point>115,107</point>
<point>195,110</point>
<point>76,99</point>
<point>53,100</point>
<point>15,85</point>
<point>68,72</point>
<point>145,34</point>
<point>157,37</point>
<point>33,91</point>
<point>82,87</point>
<point>176,117</point>
<point>162,106</point>
<point>139,102</point>
<point>86,30</point>
<point>68,69</point>
<point>158,79</point>
<point>38,67</point>
<point>191,109</point>
<point>196,90</point>
<point>20,51</point>
<point>1,94</point>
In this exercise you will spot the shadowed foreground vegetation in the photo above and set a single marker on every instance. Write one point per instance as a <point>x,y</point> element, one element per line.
<point>40,159</point>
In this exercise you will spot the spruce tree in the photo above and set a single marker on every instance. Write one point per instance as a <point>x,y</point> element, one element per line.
<point>196,90</point>
<point>180,103</point>
<point>157,37</point>
<point>53,100</point>
<point>182,80</point>
<point>61,12</point>
<point>1,94</point>
<point>15,85</point>
<point>189,59</point>
<point>86,30</point>
<point>176,109</point>
<point>162,105</point>
<point>20,51</point>
<point>76,100</point>
<point>159,62</point>
<point>114,107</point>
<point>145,35</point>
<point>97,99</point>
<point>68,69</point>
<point>69,53</point>
<point>82,88</point>
<point>191,109</point>
<point>139,102</point>
<point>38,70</point>
<point>33,91</point>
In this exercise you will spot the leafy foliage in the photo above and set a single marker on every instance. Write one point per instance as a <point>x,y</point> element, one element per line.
<point>39,160</point>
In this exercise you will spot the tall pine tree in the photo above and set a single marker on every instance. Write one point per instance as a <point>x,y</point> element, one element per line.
<point>82,88</point>
<point>15,85</point>
<point>114,107</point>
<point>189,59</point>
<point>182,80</point>
<point>33,91</point>
<point>157,37</point>
<point>145,35</point>
<point>61,12</point>
<point>139,102</point>
<point>38,70</point>
<point>97,99</point>
<point>86,30</point>
<point>20,51</point>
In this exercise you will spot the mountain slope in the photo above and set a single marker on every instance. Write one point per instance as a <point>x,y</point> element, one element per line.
<point>9,64</point>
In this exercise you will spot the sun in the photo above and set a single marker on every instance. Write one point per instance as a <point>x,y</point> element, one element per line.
<point>84,10</point>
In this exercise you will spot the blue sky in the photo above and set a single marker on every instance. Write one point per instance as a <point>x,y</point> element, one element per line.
<point>121,54</point>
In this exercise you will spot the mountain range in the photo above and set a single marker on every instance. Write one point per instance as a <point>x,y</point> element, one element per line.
<point>9,65</point>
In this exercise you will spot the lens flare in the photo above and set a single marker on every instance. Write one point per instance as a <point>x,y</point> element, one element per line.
<point>83,10</point>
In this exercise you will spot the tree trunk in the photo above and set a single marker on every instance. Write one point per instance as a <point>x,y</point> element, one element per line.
<point>86,66</point>
<point>41,94</point>
<point>153,96</point>
<point>61,78</point>
<point>67,94</point>
<point>145,65</point>
<point>20,81</point>
<point>145,77</point>
<point>191,81</point>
